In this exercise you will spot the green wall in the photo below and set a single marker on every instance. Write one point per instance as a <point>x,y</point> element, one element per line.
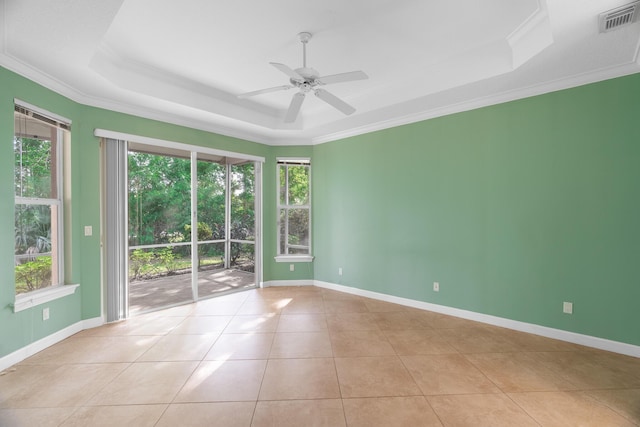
<point>20,329</point>
<point>512,208</point>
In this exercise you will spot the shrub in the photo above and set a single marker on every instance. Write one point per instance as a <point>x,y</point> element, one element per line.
<point>139,259</point>
<point>168,259</point>
<point>34,274</point>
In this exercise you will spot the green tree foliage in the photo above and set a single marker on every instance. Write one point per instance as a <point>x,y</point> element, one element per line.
<point>295,179</point>
<point>159,201</point>
<point>32,229</point>
<point>33,178</point>
<point>211,197</point>
<point>204,231</point>
<point>298,185</point>
<point>32,168</point>
<point>160,207</point>
<point>242,212</point>
<point>242,202</point>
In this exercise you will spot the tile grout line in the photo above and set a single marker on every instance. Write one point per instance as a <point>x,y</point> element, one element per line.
<point>335,369</point>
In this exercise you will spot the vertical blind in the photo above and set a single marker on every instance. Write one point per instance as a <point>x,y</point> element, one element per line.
<point>116,242</point>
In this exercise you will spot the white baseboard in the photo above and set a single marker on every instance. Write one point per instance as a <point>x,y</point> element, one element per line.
<point>586,340</point>
<point>288,283</point>
<point>559,334</point>
<point>33,348</point>
<point>93,323</point>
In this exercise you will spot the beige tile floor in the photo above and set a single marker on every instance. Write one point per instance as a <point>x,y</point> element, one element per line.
<point>308,356</point>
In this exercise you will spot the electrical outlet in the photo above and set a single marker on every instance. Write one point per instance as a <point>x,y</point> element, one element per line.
<point>45,313</point>
<point>567,307</point>
<point>292,267</point>
<point>436,287</point>
<point>339,271</point>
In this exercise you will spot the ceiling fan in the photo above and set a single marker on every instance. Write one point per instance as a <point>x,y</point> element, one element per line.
<point>308,80</point>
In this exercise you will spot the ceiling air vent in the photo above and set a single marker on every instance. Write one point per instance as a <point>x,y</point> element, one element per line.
<point>618,17</point>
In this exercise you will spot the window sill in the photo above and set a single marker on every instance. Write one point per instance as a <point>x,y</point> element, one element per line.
<point>35,298</point>
<point>294,258</point>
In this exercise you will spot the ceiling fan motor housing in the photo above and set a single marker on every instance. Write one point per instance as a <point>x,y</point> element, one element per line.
<point>308,73</point>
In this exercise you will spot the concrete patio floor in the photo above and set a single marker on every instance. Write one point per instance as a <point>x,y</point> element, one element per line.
<point>152,294</point>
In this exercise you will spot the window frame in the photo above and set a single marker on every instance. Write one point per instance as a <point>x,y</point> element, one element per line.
<point>286,257</point>
<point>62,125</point>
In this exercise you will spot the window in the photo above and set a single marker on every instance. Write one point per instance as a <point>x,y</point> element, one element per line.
<point>294,207</point>
<point>37,147</point>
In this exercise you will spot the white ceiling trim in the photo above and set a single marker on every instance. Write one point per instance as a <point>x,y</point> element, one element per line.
<point>53,84</point>
<point>531,38</point>
<point>487,101</point>
<point>71,93</point>
<point>143,79</point>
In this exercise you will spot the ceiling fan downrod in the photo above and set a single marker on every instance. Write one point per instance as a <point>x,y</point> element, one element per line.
<point>304,38</point>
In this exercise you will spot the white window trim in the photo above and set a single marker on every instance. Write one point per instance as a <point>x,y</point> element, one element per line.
<point>293,257</point>
<point>42,111</point>
<point>42,296</point>
<point>104,133</point>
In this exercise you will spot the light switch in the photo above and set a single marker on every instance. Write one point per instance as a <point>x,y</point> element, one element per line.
<point>88,230</point>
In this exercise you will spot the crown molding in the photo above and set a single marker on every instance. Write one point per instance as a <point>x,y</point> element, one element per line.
<point>278,139</point>
<point>79,97</point>
<point>487,101</point>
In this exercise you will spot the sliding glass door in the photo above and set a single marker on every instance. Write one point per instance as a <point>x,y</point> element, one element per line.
<point>211,214</point>
<point>242,224</point>
<point>160,270</point>
<point>192,226</point>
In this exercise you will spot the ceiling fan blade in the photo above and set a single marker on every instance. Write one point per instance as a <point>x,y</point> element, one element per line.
<point>288,71</point>
<point>334,101</point>
<point>342,77</point>
<point>294,108</point>
<point>261,91</point>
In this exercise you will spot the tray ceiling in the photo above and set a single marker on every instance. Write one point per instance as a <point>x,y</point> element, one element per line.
<point>185,62</point>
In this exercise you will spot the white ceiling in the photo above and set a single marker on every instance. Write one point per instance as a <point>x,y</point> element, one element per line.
<point>185,62</point>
